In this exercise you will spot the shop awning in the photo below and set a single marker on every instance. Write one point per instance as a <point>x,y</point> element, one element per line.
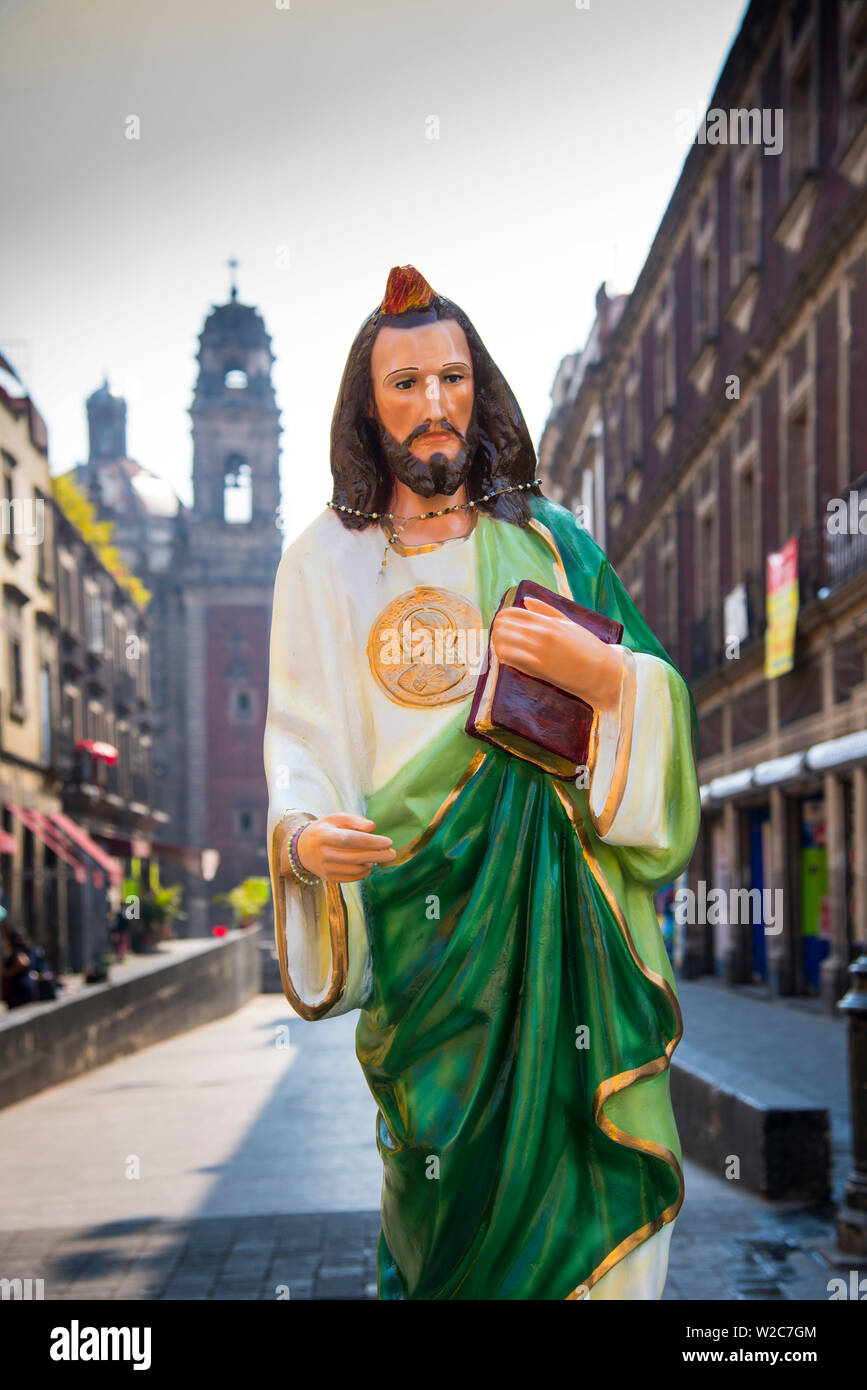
<point>38,825</point>
<point>132,846</point>
<point>836,754</point>
<point>777,770</point>
<point>201,862</point>
<point>7,842</point>
<point>731,784</point>
<point>113,868</point>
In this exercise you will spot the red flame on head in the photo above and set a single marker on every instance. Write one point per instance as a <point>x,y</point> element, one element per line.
<point>406,289</point>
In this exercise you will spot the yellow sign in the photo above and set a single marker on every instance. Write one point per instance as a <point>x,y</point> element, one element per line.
<point>782,609</point>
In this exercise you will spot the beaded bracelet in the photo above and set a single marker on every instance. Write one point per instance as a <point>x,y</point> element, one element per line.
<point>294,862</point>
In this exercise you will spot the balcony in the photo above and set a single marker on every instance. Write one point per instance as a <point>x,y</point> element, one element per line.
<point>845,549</point>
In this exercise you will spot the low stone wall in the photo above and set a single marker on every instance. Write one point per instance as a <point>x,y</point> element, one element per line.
<point>782,1142</point>
<point>43,1044</point>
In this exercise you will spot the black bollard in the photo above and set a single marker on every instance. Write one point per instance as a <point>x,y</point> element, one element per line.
<point>852,1218</point>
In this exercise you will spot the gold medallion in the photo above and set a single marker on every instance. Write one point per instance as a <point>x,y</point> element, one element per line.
<point>426,647</point>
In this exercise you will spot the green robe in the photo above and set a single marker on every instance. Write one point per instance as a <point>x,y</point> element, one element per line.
<point>523,1011</point>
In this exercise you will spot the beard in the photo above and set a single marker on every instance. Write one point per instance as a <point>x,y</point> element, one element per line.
<point>437,475</point>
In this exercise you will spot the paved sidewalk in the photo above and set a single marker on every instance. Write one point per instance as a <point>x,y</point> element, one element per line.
<point>238,1161</point>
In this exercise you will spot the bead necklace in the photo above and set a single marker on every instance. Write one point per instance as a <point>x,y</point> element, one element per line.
<point>423,516</point>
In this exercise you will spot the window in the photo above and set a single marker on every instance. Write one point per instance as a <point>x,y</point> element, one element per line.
<point>43,539</point>
<point>237,491</point>
<point>242,709</point>
<point>144,671</point>
<point>802,122</point>
<point>95,618</point>
<point>67,592</point>
<point>45,713</point>
<point>800,99</point>
<point>9,512</point>
<point>853,64</point>
<point>633,415</point>
<point>615,448</point>
<point>71,720</point>
<point>664,388</point>
<point>706,567</point>
<point>668,597</point>
<point>796,465</point>
<point>704,273</point>
<point>235,379</point>
<point>748,498</point>
<point>16,675</point>
<point>119,635</point>
<point>747,504</point>
<point>747,212</point>
<point>94,721</point>
<point>123,760</point>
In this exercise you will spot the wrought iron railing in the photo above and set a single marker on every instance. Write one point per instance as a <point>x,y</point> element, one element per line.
<point>845,546</point>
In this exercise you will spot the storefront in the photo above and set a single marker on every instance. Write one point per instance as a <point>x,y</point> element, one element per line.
<point>795,829</point>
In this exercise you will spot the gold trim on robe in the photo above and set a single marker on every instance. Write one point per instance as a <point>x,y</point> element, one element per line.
<point>337,924</point>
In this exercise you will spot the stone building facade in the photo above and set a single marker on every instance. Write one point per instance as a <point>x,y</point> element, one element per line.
<point>28,659</point>
<point>75,728</point>
<point>723,416</point>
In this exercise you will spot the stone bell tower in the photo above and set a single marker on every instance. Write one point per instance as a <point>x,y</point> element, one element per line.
<point>225,585</point>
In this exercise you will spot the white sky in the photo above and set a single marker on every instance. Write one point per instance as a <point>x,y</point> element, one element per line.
<point>304,127</point>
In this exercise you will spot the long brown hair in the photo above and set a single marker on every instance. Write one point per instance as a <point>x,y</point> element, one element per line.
<point>504,453</point>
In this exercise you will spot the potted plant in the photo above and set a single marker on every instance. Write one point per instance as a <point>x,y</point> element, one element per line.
<point>158,908</point>
<point>247,900</point>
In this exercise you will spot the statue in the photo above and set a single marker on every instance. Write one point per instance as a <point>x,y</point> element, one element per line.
<point>489,912</point>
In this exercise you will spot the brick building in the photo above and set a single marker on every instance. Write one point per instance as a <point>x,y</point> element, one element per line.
<point>718,418</point>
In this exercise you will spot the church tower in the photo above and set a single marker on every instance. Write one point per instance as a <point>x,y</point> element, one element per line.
<point>225,583</point>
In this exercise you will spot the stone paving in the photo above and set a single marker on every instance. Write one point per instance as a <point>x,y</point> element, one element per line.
<point>238,1161</point>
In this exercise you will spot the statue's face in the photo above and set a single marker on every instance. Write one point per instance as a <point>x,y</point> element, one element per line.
<point>423,390</point>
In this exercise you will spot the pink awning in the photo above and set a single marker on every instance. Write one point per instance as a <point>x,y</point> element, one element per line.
<point>37,824</point>
<point>113,867</point>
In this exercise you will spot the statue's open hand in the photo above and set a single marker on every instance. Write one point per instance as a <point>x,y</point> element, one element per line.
<point>339,848</point>
<point>540,641</point>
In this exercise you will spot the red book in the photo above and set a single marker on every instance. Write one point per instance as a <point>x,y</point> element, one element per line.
<point>530,717</point>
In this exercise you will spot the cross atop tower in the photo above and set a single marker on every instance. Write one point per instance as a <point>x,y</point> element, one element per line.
<point>233,264</point>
